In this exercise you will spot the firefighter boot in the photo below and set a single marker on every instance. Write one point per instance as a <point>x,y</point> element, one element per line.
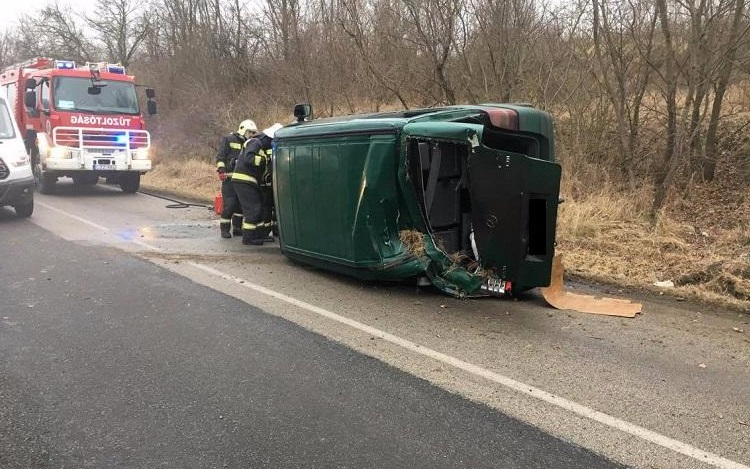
<point>225,227</point>
<point>237,225</point>
<point>250,238</point>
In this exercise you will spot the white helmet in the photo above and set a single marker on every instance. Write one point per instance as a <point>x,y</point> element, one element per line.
<point>272,130</point>
<point>246,125</point>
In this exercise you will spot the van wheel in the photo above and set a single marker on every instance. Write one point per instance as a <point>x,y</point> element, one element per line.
<point>45,182</point>
<point>25,209</point>
<point>130,182</point>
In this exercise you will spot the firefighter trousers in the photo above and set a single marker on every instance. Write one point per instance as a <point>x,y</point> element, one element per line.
<point>251,201</point>
<point>231,210</point>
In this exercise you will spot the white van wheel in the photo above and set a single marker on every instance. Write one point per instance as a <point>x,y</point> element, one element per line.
<point>24,209</point>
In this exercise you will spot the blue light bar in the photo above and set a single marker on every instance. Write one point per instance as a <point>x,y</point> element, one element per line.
<point>121,139</point>
<point>118,69</point>
<point>65,64</point>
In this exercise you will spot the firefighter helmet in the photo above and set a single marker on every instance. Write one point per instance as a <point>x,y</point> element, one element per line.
<point>246,125</point>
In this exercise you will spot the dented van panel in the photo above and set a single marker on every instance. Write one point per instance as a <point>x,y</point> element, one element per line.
<point>465,196</point>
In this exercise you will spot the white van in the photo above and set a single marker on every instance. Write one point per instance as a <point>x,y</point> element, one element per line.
<point>16,178</point>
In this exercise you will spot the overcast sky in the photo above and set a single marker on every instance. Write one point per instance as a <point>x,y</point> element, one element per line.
<point>11,12</point>
<point>13,9</point>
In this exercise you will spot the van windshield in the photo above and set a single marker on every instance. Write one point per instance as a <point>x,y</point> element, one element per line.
<point>116,97</point>
<point>7,129</point>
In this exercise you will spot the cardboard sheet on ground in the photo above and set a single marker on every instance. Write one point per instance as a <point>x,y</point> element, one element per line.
<point>557,297</point>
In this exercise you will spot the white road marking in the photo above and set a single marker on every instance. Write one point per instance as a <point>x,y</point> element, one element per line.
<point>579,409</point>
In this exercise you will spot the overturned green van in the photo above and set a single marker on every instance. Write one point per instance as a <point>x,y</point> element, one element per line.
<point>465,196</point>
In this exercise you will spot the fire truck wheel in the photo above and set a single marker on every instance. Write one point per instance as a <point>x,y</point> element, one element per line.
<point>45,182</point>
<point>130,182</point>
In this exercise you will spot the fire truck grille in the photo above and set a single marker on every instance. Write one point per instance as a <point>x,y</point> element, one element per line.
<point>4,171</point>
<point>76,137</point>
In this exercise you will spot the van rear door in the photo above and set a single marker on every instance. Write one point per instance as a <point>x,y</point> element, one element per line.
<point>514,211</point>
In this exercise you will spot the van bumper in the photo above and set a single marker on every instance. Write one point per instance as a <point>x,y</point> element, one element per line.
<point>16,191</point>
<point>103,163</point>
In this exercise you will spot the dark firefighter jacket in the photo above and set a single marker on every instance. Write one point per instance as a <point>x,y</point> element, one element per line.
<point>253,164</point>
<point>230,149</point>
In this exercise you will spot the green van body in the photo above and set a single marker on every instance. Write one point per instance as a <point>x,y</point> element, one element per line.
<point>401,195</point>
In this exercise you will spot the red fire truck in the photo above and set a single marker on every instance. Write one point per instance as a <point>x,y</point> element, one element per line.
<point>80,122</point>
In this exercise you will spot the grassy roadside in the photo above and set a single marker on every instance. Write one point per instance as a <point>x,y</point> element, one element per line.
<point>602,242</point>
<point>190,179</point>
<point>700,244</point>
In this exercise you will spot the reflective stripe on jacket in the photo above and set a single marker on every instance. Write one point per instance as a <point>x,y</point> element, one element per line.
<point>253,162</point>
<point>242,177</point>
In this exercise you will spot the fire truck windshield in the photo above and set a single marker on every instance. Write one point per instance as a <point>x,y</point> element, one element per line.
<point>116,97</point>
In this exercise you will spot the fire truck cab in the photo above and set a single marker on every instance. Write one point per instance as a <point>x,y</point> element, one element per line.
<point>80,122</point>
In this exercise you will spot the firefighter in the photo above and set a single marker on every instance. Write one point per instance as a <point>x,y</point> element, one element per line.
<point>247,178</point>
<point>231,146</point>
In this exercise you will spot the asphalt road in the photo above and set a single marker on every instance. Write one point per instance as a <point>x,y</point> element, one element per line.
<point>131,335</point>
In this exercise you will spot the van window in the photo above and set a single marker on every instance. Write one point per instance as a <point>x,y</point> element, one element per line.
<point>6,124</point>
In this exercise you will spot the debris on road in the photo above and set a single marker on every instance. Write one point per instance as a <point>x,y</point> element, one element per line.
<point>557,297</point>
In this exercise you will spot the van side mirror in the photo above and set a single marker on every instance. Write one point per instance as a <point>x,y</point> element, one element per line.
<point>150,93</point>
<point>95,90</point>
<point>302,112</point>
<point>30,84</point>
<point>151,106</point>
<point>29,99</point>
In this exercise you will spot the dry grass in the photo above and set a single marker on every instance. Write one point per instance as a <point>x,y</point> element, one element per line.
<point>413,241</point>
<point>602,240</point>
<point>191,179</point>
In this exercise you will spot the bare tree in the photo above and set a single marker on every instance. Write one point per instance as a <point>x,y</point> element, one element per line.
<point>54,32</point>
<point>7,49</point>
<point>505,33</point>
<point>363,28</point>
<point>623,36</point>
<point>120,26</point>
<point>433,29</point>
<point>728,53</point>
<point>667,168</point>
<point>555,73</point>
